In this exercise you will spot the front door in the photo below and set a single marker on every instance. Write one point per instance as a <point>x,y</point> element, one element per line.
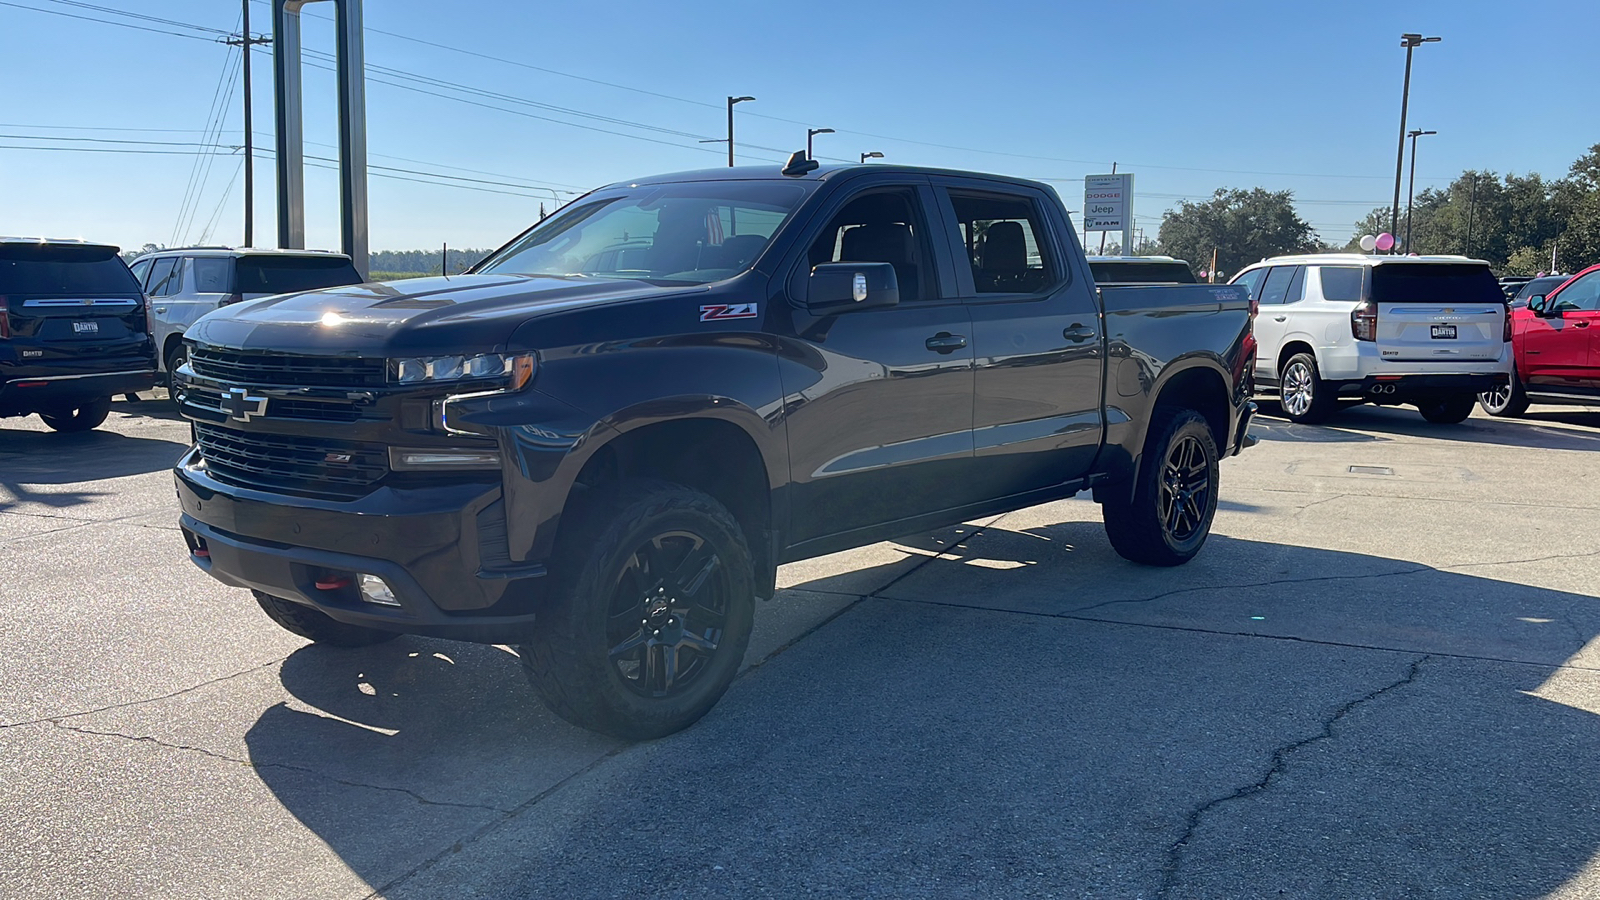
<point>1559,355</point>
<point>878,402</point>
<point>1272,319</point>
<point>1037,420</point>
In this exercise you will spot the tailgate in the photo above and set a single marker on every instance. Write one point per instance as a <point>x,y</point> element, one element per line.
<point>1437,311</point>
<point>69,303</point>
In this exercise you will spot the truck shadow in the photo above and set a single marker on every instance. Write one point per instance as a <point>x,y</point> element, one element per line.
<point>32,458</point>
<point>994,724</point>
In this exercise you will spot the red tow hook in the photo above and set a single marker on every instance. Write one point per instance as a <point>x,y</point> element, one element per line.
<point>201,552</point>
<point>333,584</point>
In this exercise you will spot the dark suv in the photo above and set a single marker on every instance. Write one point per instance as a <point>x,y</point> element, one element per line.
<point>72,331</point>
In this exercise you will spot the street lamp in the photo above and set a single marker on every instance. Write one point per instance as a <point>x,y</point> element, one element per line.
<point>811,133</point>
<point>1411,189</point>
<point>872,154</point>
<point>731,102</point>
<point>1410,42</point>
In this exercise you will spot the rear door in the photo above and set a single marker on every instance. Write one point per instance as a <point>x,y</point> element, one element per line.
<point>1438,312</point>
<point>65,304</point>
<point>1037,416</point>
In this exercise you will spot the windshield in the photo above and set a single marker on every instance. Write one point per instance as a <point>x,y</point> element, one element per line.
<point>1435,283</point>
<point>690,233</point>
<point>56,269</point>
<point>1538,287</point>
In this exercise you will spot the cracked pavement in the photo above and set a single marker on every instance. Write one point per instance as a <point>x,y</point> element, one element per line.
<point>1365,686</point>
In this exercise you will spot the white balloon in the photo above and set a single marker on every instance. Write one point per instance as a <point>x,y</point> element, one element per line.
<point>1368,242</point>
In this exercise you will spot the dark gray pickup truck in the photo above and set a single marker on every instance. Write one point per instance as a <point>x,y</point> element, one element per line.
<point>601,443</point>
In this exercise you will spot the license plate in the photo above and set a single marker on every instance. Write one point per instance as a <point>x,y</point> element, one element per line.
<point>86,327</point>
<point>1444,332</point>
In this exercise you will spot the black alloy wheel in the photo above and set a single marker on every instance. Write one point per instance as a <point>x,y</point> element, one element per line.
<point>667,614</point>
<point>1447,410</point>
<point>1164,517</point>
<point>1185,489</point>
<point>651,602</point>
<point>176,357</point>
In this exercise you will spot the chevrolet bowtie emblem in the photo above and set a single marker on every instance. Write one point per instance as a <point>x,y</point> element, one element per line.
<point>241,405</point>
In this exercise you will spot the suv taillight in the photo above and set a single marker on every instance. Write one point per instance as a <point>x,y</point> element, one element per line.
<point>1364,321</point>
<point>1505,334</point>
<point>5,320</point>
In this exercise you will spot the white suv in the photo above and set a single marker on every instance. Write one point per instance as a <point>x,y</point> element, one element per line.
<point>182,285</point>
<point>1339,328</point>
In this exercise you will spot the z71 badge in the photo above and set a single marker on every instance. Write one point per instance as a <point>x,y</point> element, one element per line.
<point>716,312</point>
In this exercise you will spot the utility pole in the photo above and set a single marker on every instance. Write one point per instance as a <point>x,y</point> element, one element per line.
<point>1410,42</point>
<point>731,102</point>
<point>1412,188</point>
<point>1472,204</point>
<point>244,43</point>
<point>811,133</point>
<point>1103,234</point>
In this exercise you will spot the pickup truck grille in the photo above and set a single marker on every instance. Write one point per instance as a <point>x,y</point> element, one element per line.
<point>280,407</point>
<point>290,464</point>
<point>245,367</point>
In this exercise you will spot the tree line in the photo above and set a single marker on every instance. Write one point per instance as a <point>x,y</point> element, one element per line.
<point>1513,222</point>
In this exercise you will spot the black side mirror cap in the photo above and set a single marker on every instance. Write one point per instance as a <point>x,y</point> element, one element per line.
<point>846,287</point>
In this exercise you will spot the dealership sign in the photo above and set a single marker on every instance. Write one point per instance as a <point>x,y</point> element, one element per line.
<point>1108,202</point>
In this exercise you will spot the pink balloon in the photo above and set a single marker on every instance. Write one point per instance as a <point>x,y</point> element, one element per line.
<point>1385,242</point>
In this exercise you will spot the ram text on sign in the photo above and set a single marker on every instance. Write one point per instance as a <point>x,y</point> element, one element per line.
<point>1107,202</point>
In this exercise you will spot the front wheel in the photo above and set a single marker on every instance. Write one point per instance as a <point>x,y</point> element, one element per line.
<point>1507,400</point>
<point>1447,410</point>
<point>651,614</point>
<point>83,418</point>
<point>1168,517</point>
<point>177,356</point>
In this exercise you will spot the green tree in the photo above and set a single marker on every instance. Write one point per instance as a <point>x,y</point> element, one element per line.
<point>1577,197</point>
<point>1241,226</point>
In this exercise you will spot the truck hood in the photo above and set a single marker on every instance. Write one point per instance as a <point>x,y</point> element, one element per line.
<point>424,316</point>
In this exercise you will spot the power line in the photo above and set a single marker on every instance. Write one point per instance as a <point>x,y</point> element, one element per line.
<point>57,12</point>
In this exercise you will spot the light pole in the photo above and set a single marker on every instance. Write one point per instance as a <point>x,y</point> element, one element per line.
<point>1411,186</point>
<point>811,133</point>
<point>731,102</point>
<point>871,154</point>
<point>1410,42</point>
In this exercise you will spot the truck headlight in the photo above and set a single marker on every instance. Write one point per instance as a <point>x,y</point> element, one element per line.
<point>512,370</point>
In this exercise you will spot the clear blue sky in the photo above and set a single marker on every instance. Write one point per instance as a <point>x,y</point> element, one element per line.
<point>1190,97</point>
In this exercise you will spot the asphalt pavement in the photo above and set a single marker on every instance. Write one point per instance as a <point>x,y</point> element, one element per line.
<point>1380,678</point>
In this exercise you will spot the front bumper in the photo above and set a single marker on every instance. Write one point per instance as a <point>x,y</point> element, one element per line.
<point>44,393</point>
<point>436,547</point>
<point>1410,388</point>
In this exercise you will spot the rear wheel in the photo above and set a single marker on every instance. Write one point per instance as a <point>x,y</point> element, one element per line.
<point>1304,396</point>
<point>1168,517</point>
<point>651,615</point>
<point>1447,410</point>
<point>1507,400</point>
<point>318,626</point>
<point>83,418</point>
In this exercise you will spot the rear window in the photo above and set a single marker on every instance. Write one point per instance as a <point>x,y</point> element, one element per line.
<point>46,269</point>
<point>1435,283</point>
<point>285,275</point>
<point>1141,273</point>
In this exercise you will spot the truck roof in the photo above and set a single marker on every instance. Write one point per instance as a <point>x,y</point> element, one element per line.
<point>1361,259</point>
<point>245,251</point>
<point>821,173</point>
<point>57,242</point>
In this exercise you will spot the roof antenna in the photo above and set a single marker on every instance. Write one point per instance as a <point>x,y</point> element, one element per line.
<point>799,164</point>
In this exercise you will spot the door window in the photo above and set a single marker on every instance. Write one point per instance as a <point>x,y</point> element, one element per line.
<point>1251,280</point>
<point>881,226</point>
<point>166,276</point>
<point>1297,286</point>
<point>1001,234</point>
<point>1583,294</point>
<point>1276,285</point>
<point>140,269</point>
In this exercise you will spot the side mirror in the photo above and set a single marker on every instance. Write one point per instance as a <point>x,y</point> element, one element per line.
<point>1536,304</point>
<point>846,287</point>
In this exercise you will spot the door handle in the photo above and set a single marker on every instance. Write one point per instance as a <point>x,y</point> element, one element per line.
<point>1078,333</point>
<point>945,342</point>
<point>1580,324</point>
<point>161,309</point>
<point>1280,318</point>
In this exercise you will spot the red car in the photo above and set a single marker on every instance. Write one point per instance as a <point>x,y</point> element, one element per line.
<point>1556,341</point>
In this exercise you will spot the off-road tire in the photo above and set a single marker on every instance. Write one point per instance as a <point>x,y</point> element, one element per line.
<point>570,659</point>
<point>1302,394</point>
<point>1142,527</point>
<point>176,357</point>
<point>85,418</point>
<point>1451,410</point>
<point>1508,402</point>
<point>318,626</point>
